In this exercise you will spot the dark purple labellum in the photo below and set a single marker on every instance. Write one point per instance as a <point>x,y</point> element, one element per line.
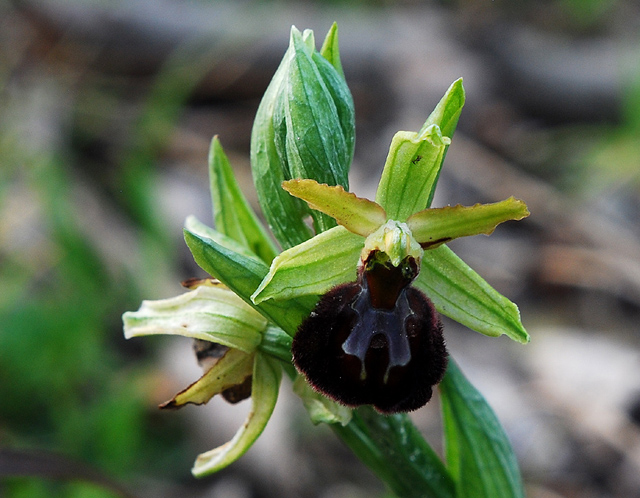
<point>377,341</point>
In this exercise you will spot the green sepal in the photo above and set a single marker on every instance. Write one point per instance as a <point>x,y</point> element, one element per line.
<point>410,171</point>
<point>460,293</point>
<point>209,313</point>
<point>233,216</point>
<point>433,227</point>
<point>478,453</point>
<point>231,370</point>
<point>358,215</point>
<point>242,275</point>
<point>414,162</point>
<point>314,267</point>
<point>264,394</point>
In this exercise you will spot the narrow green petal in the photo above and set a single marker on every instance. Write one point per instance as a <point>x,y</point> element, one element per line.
<point>358,215</point>
<point>314,267</point>
<point>233,215</point>
<point>230,370</point>
<point>264,394</point>
<point>460,293</point>
<point>410,171</point>
<point>208,313</point>
<point>433,227</point>
<point>479,455</point>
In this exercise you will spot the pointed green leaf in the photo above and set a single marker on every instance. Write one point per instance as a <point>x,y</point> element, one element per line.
<point>358,215</point>
<point>264,394</point>
<point>232,213</point>
<point>409,174</point>
<point>242,275</point>
<point>209,313</point>
<point>230,370</point>
<point>445,116</point>
<point>448,110</point>
<point>460,293</point>
<point>329,259</point>
<point>433,227</point>
<point>196,226</point>
<point>330,49</point>
<point>284,214</point>
<point>315,145</point>
<point>479,455</point>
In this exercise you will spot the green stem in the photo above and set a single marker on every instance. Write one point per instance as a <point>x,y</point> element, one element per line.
<point>393,448</point>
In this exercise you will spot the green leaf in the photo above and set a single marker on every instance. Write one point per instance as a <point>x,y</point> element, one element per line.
<point>232,213</point>
<point>433,227</point>
<point>358,215</point>
<point>396,452</point>
<point>445,115</point>
<point>479,455</point>
<point>242,275</point>
<point>264,394</point>
<point>314,267</point>
<point>209,313</point>
<point>196,226</point>
<point>330,49</point>
<point>304,128</point>
<point>320,408</point>
<point>448,110</point>
<point>410,172</point>
<point>229,371</point>
<point>460,293</point>
<point>284,214</point>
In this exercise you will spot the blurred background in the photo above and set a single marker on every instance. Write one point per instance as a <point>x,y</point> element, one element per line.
<point>107,110</point>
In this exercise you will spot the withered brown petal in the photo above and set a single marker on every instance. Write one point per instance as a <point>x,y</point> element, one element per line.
<point>390,379</point>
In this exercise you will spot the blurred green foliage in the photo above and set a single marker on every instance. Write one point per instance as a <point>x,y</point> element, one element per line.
<point>69,382</point>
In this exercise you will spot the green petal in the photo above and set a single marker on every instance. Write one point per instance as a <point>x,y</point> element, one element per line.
<point>230,370</point>
<point>242,274</point>
<point>460,293</point>
<point>433,227</point>
<point>479,455</point>
<point>358,215</point>
<point>414,162</point>
<point>314,267</point>
<point>209,313</point>
<point>264,394</point>
<point>232,213</point>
